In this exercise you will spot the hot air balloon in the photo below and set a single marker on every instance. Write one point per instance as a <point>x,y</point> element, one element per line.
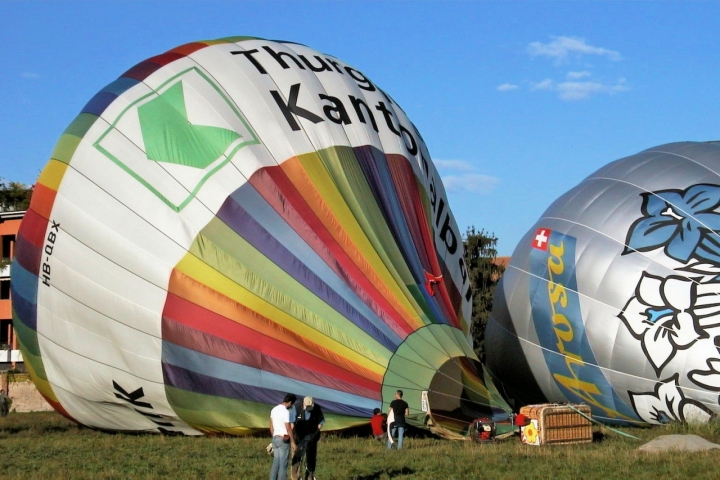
<point>613,297</point>
<point>236,219</point>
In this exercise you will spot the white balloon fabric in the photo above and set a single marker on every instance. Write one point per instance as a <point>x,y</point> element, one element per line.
<point>613,297</point>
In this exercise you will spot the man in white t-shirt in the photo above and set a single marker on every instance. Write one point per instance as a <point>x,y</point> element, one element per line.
<point>282,437</point>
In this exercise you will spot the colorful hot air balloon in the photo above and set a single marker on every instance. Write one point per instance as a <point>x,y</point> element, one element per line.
<point>233,220</point>
<point>613,297</point>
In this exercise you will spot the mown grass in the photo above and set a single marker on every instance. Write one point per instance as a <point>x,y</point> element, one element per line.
<point>45,445</point>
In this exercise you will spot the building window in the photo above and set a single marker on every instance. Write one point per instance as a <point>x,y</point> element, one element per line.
<point>4,331</point>
<point>5,290</point>
<point>7,246</point>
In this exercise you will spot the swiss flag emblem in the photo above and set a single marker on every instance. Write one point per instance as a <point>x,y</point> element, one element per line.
<point>542,236</point>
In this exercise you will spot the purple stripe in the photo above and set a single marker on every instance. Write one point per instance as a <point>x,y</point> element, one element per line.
<point>198,383</point>
<point>244,225</point>
<point>377,173</point>
<point>107,95</point>
<point>208,344</point>
<point>25,310</point>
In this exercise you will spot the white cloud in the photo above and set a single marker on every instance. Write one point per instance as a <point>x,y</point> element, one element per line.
<point>461,176</point>
<point>546,84</point>
<point>578,75</point>
<point>562,47</point>
<point>454,165</point>
<point>581,90</point>
<point>506,87</point>
<point>29,75</point>
<point>473,182</point>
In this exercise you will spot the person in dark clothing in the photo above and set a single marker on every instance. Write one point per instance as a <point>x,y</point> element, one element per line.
<point>4,403</point>
<point>308,423</point>
<point>400,410</point>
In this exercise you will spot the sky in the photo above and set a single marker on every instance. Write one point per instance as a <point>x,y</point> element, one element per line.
<point>516,101</point>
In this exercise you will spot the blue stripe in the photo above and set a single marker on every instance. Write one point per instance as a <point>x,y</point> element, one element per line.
<point>231,380</point>
<point>373,163</point>
<point>246,225</point>
<point>233,372</point>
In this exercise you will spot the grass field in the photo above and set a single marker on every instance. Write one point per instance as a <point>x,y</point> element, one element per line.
<point>45,445</point>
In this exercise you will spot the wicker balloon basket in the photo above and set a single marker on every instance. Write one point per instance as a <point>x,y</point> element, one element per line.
<point>556,424</point>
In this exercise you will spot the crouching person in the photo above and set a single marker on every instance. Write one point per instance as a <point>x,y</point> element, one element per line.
<point>308,423</point>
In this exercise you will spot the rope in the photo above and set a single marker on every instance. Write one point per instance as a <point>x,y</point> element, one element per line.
<point>595,421</point>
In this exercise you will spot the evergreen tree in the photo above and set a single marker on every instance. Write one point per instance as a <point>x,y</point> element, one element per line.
<point>485,273</point>
<point>14,196</point>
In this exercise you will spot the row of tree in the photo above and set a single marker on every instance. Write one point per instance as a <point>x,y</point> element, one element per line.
<point>14,196</point>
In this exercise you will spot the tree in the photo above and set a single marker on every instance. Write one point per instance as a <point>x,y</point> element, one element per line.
<point>14,196</point>
<point>485,273</point>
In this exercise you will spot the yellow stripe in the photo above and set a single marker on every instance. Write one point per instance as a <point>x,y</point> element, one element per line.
<point>52,174</point>
<point>351,233</point>
<point>200,271</point>
<point>42,385</point>
<point>257,273</point>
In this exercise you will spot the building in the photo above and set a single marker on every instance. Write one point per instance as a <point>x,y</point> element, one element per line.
<point>10,356</point>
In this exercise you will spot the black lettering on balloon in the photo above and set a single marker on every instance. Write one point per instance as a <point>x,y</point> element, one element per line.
<point>356,103</point>
<point>291,108</point>
<point>131,397</point>
<point>388,117</point>
<point>323,67</point>
<point>336,112</point>
<point>361,79</point>
<point>407,136</point>
<point>249,55</point>
<point>278,56</point>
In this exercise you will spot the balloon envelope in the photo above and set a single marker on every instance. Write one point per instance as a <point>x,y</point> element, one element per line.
<point>233,220</point>
<point>613,297</point>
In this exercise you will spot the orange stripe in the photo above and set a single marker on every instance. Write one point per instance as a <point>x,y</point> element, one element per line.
<point>42,200</point>
<point>191,290</point>
<point>305,186</point>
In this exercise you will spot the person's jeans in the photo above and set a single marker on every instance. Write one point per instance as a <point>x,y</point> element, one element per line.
<point>281,453</point>
<point>400,432</point>
<point>306,447</point>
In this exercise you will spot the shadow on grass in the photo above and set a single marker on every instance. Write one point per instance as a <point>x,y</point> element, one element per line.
<point>389,473</point>
<point>365,431</point>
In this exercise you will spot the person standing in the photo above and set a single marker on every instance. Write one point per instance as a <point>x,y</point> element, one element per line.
<point>282,438</point>
<point>400,410</point>
<point>308,423</point>
<point>4,403</point>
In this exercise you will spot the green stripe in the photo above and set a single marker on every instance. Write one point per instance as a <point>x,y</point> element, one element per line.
<point>222,249</point>
<point>65,148</point>
<point>222,413</point>
<point>27,335</point>
<point>344,168</point>
<point>80,126</point>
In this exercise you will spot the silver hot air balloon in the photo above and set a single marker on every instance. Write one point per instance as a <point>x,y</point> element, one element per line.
<point>613,297</point>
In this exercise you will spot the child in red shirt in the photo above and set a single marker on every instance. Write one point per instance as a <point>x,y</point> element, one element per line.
<point>379,425</point>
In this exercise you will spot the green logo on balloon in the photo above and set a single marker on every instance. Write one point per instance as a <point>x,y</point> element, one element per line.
<point>170,137</point>
<point>176,136</point>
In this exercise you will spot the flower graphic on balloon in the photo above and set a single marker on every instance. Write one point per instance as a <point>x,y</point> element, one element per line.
<point>530,434</point>
<point>683,222</point>
<point>662,317</point>
<point>668,404</point>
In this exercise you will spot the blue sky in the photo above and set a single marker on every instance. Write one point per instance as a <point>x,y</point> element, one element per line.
<point>517,101</point>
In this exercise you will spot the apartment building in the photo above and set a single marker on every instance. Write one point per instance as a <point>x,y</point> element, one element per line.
<point>10,356</point>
